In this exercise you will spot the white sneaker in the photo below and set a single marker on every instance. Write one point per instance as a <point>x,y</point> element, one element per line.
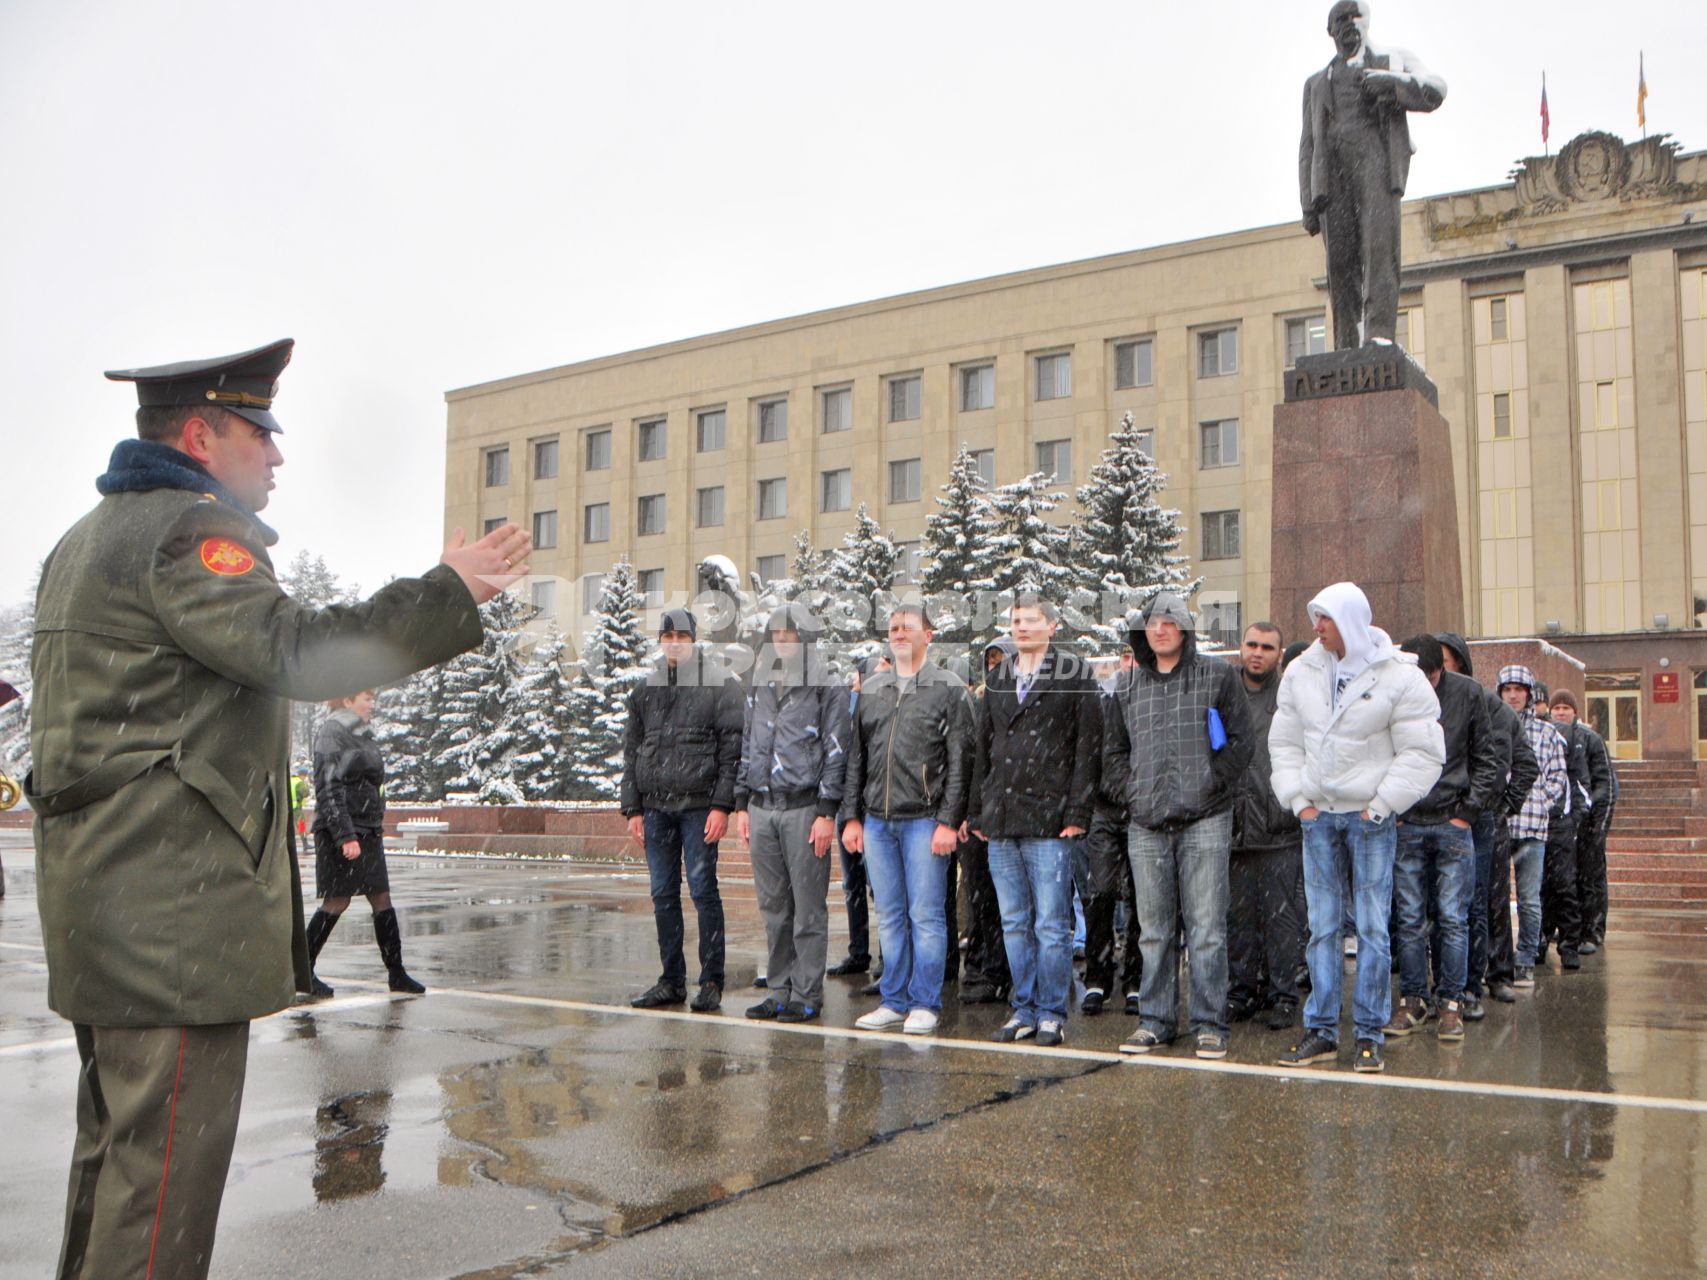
<point>920,1022</point>
<point>882,1018</point>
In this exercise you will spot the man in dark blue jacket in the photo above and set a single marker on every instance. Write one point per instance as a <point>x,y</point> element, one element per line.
<point>680,754</point>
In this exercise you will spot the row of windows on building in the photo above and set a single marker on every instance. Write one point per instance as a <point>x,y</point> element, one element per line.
<point>1218,446</point>
<point>1134,366</point>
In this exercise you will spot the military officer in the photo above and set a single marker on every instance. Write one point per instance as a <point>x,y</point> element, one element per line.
<point>165,659</point>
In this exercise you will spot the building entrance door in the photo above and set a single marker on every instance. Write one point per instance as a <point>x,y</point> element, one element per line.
<point>1615,711</point>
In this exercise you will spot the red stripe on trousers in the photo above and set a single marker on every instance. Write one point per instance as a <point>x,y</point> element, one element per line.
<point>166,1167</point>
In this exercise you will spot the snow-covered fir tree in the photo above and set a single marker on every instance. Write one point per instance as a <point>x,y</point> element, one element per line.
<point>613,661</point>
<point>17,632</point>
<point>409,727</point>
<point>309,581</point>
<point>542,768</point>
<point>481,703</point>
<point>950,547</point>
<point>1018,549</point>
<point>1125,542</point>
<point>862,570</point>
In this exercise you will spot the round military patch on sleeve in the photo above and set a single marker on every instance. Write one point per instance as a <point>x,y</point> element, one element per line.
<point>225,557</point>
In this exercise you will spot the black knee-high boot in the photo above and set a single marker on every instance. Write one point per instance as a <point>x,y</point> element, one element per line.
<point>391,951</point>
<point>320,927</point>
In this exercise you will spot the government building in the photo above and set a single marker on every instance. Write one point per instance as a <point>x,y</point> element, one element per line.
<point>1562,315</point>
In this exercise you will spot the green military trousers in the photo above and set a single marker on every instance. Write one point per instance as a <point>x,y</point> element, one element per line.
<point>156,1122</point>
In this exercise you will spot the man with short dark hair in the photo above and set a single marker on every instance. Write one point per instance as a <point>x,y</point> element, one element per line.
<point>1597,817</point>
<point>1179,736</point>
<point>1530,824</point>
<point>166,658</point>
<point>1435,865</point>
<point>680,754</point>
<point>1037,738</point>
<point>1265,932</point>
<point>1565,906</point>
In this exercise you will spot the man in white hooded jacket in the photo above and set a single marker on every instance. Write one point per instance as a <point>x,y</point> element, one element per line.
<point>1355,741</point>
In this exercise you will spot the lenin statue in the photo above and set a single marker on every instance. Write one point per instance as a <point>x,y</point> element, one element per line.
<point>1352,164</point>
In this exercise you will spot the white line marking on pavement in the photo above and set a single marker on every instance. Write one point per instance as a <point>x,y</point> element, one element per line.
<point>23,946</point>
<point>38,1046</point>
<point>1539,1093</point>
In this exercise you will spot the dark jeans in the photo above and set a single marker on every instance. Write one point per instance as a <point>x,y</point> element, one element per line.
<point>1476,960</point>
<point>1591,874</point>
<point>1434,877</point>
<point>672,840</point>
<point>986,961</point>
<point>1265,933</point>
<point>1110,883</point>
<point>859,914</point>
<point>1502,945</point>
<point>1561,914</point>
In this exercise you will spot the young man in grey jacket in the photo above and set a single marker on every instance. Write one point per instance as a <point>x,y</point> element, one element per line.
<point>793,759</point>
<point>1178,735</point>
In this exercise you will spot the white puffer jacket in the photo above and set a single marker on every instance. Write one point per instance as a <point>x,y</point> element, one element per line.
<point>1382,750</point>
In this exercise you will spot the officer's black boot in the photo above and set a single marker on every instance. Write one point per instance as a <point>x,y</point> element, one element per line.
<point>320,927</point>
<point>391,951</point>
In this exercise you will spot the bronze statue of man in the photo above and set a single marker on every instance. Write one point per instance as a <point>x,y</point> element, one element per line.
<point>1352,164</point>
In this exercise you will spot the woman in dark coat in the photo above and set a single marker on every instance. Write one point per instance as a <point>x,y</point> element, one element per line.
<point>349,842</point>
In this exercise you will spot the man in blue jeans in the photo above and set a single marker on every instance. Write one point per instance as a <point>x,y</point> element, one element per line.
<point>902,805</point>
<point>1436,863</point>
<point>1177,739</point>
<point>1355,741</point>
<point>1038,742</point>
<point>680,753</point>
<point>1530,824</point>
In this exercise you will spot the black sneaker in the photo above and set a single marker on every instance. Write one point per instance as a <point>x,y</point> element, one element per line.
<point>1471,1007</point>
<point>1525,976</point>
<point>319,990</point>
<point>1013,1029</point>
<point>1569,959</point>
<point>761,982</point>
<point>1211,1044</point>
<point>659,995</point>
<point>1091,1003</point>
<point>1049,1032</point>
<point>872,988</point>
<point>1283,1016</point>
<point>1314,1047</point>
<point>1368,1057</point>
<point>1132,1004</point>
<point>1503,992</point>
<point>709,998</point>
<point>765,1009</point>
<point>1241,1010</point>
<point>848,966</point>
<point>798,1011</point>
<point>981,993</point>
<point>1144,1040</point>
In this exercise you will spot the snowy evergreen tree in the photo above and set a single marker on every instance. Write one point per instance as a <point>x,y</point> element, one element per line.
<point>409,727</point>
<point>309,581</point>
<point>861,574</point>
<point>613,661</point>
<point>1018,549</point>
<point>17,632</point>
<point>481,703</point>
<point>950,546</point>
<point>1126,543</point>
<point>542,766</point>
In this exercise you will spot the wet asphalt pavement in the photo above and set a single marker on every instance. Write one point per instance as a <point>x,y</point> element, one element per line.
<point>520,1120</point>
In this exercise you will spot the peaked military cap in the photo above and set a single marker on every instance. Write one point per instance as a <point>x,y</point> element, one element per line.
<point>244,384</point>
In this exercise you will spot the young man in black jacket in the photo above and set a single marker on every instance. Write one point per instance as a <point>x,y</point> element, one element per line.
<point>680,754</point>
<point>1436,861</point>
<point>1266,869</point>
<point>902,806</point>
<point>1179,734</point>
<point>1110,884</point>
<point>1038,739</point>
<point>1591,830</point>
<point>1492,949</point>
<point>1564,919</point>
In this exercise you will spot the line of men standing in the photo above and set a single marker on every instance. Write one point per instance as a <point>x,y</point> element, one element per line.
<point>1370,785</point>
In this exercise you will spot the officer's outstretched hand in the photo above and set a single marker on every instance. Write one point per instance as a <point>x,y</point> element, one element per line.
<point>493,563</point>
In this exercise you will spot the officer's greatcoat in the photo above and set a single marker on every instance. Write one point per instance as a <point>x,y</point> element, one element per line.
<point>165,659</point>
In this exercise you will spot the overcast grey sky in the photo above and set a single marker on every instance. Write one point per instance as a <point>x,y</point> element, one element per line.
<point>428,195</point>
